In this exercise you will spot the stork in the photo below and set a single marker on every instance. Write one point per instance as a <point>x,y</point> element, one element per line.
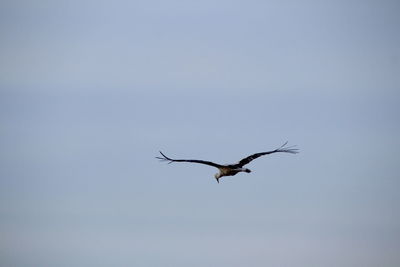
<point>232,169</point>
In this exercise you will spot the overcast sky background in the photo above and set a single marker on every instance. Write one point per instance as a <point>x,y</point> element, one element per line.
<point>91,90</point>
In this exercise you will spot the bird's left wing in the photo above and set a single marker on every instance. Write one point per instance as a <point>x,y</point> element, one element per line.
<point>248,159</point>
<point>165,158</point>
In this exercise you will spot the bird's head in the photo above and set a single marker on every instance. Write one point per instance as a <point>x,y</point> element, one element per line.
<point>247,170</point>
<point>217,176</point>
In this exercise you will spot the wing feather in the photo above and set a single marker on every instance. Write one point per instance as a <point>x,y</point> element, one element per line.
<point>284,149</point>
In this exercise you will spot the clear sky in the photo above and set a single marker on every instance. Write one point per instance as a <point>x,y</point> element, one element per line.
<point>90,91</point>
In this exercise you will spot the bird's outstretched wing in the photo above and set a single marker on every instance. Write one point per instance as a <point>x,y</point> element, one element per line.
<point>165,158</point>
<point>247,160</point>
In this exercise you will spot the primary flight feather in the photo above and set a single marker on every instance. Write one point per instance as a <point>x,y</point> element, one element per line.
<point>232,169</point>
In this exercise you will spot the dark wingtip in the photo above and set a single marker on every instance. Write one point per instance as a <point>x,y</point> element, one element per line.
<point>160,157</point>
<point>290,149</point>
<point>164,158</point>
<point>163,155</point>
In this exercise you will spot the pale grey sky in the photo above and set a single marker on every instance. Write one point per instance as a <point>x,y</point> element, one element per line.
<point>91,90</point>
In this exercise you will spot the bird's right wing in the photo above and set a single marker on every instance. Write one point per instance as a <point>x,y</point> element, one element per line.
<point>284,149</point>
<point>165,158</point>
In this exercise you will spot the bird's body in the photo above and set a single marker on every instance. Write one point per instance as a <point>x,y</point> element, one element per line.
<point>231,169</point>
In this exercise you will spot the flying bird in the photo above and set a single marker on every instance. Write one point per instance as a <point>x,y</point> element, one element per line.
<point>232,169</point>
